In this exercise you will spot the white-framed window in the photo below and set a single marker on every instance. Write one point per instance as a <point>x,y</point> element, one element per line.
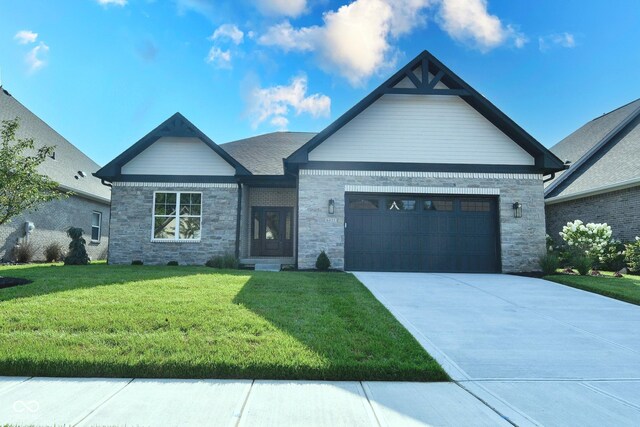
<point>96,226</point>
<point>177,216</point>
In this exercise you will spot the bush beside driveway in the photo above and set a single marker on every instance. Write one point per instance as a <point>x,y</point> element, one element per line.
<point>195,322</point>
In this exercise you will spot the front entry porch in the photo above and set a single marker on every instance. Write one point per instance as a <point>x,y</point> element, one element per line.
<point>268,226</point>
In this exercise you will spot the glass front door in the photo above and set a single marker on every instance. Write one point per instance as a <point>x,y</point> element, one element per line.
<point>271,231</point>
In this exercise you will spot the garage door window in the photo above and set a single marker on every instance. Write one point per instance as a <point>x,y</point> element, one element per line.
<point>401,205</point>
<point>438,205</point>
<point>363,204</point>
<point>475,206</point>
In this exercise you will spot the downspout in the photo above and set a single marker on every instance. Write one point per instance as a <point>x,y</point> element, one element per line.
<point>551,178</point>
<point>238,218</point>
<point>105,183</point>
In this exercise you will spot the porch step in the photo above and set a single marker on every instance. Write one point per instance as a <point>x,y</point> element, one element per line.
<point>268,267</point>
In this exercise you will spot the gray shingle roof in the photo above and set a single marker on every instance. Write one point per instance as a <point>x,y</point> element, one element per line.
<point>68,159</point>
<point>615,162</point>
<point>263,154</point>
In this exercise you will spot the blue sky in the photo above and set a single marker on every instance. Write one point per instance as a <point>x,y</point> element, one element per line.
<point>105,72</point>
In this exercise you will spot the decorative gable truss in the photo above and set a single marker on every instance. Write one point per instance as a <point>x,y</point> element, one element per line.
<point>144,162</point>
<point>426,75</point>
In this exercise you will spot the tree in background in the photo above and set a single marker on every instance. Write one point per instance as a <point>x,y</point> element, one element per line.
<point>21,186</point>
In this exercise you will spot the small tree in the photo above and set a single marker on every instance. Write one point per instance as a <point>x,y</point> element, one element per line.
<point>22,187</point>
<point>322,262</point>
<point>77,252</point>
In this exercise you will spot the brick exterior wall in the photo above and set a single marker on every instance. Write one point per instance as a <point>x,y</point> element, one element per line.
<point>263,196</point>
<point>522,239</point>
<point>51,222</point>
<point>131,225</point>
<point>620,209</point>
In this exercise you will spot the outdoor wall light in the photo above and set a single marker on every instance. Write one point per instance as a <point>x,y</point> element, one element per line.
<point>517,210</point>
<point>332,206</point>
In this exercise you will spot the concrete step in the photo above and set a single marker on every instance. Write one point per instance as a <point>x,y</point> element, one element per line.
<point>268,267</point>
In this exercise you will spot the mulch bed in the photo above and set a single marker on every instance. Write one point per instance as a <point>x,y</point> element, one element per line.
<point>7,282</point>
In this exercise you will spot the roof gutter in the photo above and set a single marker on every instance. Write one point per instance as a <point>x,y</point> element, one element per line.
<point>84,194</point>
<point>594,191</point>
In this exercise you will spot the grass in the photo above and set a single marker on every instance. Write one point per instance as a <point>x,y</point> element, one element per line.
<point>196,322</point>
<point>625,288</point>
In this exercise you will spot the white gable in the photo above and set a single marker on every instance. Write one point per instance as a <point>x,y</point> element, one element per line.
<point>178,156</point>
<point>421,129</point>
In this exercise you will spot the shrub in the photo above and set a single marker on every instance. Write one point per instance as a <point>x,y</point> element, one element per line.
<point>24,252</point>
<point>549,263</point>
<point>53,252</point>
<point>137,262</point>
<point>223,261</point>
<point>323,262</point>
<point>612,257</point>
<point>583,264</point>
<point>589,239</point>
<point>173,263</point>
<point>77,252</point>
<point>632,255</point>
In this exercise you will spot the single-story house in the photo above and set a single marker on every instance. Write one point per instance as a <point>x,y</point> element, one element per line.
<point>423,174</point>
<point>86,207</point>
<point>602,183</point>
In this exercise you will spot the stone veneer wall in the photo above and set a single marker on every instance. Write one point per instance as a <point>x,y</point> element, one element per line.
<point>620,209</point>
<point>131,224</point>
<point>51,221</point>
<point>522,239</point>
<point>263,196</point>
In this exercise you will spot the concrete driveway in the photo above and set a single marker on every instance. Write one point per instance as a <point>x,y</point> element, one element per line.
<point>537,352</point>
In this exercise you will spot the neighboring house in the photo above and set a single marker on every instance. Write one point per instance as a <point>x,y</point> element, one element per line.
<point>602,183</point>
<point>423,174</point>
<point>87,208</point>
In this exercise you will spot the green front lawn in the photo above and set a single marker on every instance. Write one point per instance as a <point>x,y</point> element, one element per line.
<point>195,322</point>
<point>625,288</point>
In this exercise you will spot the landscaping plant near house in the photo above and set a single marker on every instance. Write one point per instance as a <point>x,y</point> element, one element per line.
<point>53,252</point>
<point>77,252</point>
<point>223,261</point>
<point>583,264</point>
<point>612,257</point>
<point>173,263</point>
<point>632,255</point>
<point>589,239</point>
<point>323,263</point>
<point>549,263</point>
<point>137,262</point>
<point>24,252</point>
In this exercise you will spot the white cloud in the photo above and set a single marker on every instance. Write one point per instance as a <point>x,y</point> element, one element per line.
<point>228,31</point>
<point>219,58</point>
<point>275,103</point>
<point>36,57</point>
<point>291,8</point>
<point>566,40</point>
<point>112,2</point>
<point>25,37</point>
<point>354,40</point>
<point>469,21</point>
<point>203,7</point>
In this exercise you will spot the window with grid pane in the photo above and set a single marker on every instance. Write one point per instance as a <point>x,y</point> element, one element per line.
<point>96,225</point>
<point>177,216</point>
<point>475,206</point>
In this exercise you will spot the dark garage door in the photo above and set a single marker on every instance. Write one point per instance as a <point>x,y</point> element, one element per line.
<point>421,233</point>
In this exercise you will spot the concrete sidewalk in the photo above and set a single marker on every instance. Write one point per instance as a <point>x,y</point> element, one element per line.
<point>162,402</point>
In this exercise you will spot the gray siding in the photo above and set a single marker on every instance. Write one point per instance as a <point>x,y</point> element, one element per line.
<point>620,209</point>
<point>131,225</point>
<point>178,156</point>
<point>421,129</point>
<point>522,239</point>
<point>51,221</point>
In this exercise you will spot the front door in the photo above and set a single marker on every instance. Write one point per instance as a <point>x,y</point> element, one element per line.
<point>272,231</point>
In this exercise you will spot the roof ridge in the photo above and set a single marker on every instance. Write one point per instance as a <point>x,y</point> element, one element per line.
<point>595,149</point>
<point>614,110</point>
